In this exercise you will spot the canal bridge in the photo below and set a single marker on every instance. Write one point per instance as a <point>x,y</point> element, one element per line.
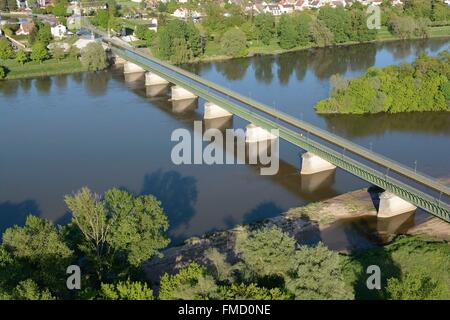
<point>405,188</point>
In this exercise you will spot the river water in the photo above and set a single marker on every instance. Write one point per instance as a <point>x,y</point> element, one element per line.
<point>60,133</point>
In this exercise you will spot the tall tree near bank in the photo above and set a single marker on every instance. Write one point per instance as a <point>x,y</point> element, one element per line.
<point>265,26</point>
<point>93,57</point>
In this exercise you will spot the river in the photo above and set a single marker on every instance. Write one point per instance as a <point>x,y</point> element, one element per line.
<point>60,133</point>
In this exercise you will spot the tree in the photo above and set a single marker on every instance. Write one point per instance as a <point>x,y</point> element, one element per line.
<point>190,283</point>
<point>6,50</point>
<point>412,286</point>
<point>126,290</point>
<point>93,57</point>
<point>58,52</point>
<point>60,9</point>
<point>44,34</point>
<point>29,290</point>
<point>321,35</point>
<point>101,19</point>
<point>112,8</point>
<point>250,292</point>
<point>39,52</point>
<point>287,32</point>
<point>2,72</point>
<point>74,52</point>
<point>37,251</point>
<point>265,26</point>
<point>223,271</point>
<point>120,231</point>
<point>317,275</point>
<point>234,43</point>
<point>22,57</point>
<point>303,28</point>
<point>267,252</point>
<point>181,51</point>
<point>337,21</point>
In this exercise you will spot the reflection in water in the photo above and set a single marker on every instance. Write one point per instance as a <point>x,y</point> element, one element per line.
<point>25,85</point>
<point>96,83</point>
<point>177,193</point>
<point>263,68</point>
<point>353,126</point>
<point>311,183</point>
<point>236,70</point>
<point>43,84</point>
<point>12,213</point>
<point>185,105</point>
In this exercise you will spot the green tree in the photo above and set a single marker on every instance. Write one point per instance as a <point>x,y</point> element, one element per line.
<point>60,9</point>
<point>2,72</point>
<point>126,290</point>
<point>22,57</point>
<point>112,8</point>
<point>120,231</point>
<point>181,51</point>
<point>250,292</point>
<point>303,28</point>
<point>338,21</point>
<point>58,52</point>
<point>287,32</point>
<point>93,57</point>
<point>190,283</point>
<point>267,252</point>
<point>321,35</point>
<point>6,50</point>
<point>44,34</point>
<point>265,26</point>
<point>36,251</point>
<point>412,286</point>
<point>234,43</point>
<point>223,271</point>
<point>29,290</point>
<point>101,19</point>
<point>39,52</point>
<point>317,275</point>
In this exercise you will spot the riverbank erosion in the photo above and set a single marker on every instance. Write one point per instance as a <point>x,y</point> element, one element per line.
<point>347,223</point>
<point>420,86</point>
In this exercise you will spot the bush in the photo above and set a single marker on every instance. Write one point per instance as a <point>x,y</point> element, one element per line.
<point>39,52</point>
<point>6,50</point>
<point>234,43</point>
<point>2,72</point>
<point>93,57</point>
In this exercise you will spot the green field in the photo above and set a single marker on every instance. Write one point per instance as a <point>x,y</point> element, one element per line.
<point>46,68</point>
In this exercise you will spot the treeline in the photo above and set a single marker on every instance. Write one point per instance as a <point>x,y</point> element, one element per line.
<point>229,31</point>
<point>421,86</point>
<point>110,237</point>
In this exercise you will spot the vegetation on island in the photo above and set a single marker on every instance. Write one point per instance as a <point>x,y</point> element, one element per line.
<point>111,236</point>
<point>423,85</point>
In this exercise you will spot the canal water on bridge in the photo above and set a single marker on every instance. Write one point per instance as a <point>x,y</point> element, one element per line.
<point>60,133</point>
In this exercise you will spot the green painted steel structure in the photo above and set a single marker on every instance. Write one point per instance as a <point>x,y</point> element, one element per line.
<point>221,96</point>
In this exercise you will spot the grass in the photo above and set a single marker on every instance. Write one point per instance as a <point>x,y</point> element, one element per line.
<point>407,254</point>
<point>46,68</point>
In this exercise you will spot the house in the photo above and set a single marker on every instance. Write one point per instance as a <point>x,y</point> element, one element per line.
<point>315,4</point>
<point>301,5</point>
<point>400,3</point>
<point>59,31</point>
<point>180,13</point>
<point>43,3</point>
<point>153,25</point>
<point>286,8</point>
<point>25,28</point>
<point>22,4</point>
<point>273,9</point>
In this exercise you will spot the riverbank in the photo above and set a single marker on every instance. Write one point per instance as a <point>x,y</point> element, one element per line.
<point>213,52</point>
<point>346,223</point>
<point>49,67</point>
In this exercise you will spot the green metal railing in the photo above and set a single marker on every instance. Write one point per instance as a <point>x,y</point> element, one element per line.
<point>209,91</point>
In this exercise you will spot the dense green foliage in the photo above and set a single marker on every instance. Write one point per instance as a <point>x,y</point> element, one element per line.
<point>39,52</point>
<point>22,57</point>
<point>6,50</point>
<point>234,43</point>
<point>411,268</point>
<point>108,237</point>
<point>2,72</point>
<point>420,86</point>
<point>93,57</point>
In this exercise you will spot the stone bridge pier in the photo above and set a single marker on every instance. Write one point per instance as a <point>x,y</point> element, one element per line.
<point>312,163</point>
<point>132,71</point>
<point>392,205</point>
<point>155,85</point>
<point>183,100</point>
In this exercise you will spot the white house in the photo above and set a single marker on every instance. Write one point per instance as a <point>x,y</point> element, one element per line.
<point>301,5</point>
<point>286,8</point>
<point>273,9</point>
<point>59,31</point>
<point>153,25</point>
<point>22,4</point>
<point>180,13</point>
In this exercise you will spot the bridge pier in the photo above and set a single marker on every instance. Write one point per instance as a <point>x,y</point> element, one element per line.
<point>155,85</point>
<point>179,93</point>
<point>253,133</point>
<point>213,111</point>
<point>130,67</point>
<point>118,59</point>
<point>313,164</point>
<point>185,105</point>
<point>310,183</point>
<point>392,205</point>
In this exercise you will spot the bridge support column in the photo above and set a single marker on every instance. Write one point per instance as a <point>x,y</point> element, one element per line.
<point>152,79</point>
<point>314,164</point>
<point>179,93</point>
<point>213,111</point>
<point>130,67</point>
<point>118,60</point>
<point>392,205</point>
<point>253,133</point>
